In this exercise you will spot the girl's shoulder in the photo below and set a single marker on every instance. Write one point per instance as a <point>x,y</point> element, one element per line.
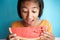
<point>17,24</point>
<point>44,22</point>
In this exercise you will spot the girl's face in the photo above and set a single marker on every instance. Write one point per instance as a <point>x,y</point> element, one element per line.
<point>29,11</point>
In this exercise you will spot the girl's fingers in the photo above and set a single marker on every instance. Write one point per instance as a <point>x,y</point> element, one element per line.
<point>42,38</point>
<point>15,38</point>
<point>48,36</point>
<point>12,35</point>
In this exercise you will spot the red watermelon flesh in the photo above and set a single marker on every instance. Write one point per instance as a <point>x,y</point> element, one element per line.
<point>28,32</point>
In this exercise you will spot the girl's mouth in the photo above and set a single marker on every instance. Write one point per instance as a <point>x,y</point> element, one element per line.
<point>29,21</point>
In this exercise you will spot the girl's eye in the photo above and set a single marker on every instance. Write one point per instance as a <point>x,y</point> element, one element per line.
<point>25,11</point>
<point>34,11</point>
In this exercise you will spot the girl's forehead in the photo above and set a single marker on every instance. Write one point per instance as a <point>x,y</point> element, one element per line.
<point>29,0</point>
<point>29,3</point>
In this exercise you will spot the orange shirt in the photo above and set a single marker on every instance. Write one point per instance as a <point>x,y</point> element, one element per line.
<point>43,23</point>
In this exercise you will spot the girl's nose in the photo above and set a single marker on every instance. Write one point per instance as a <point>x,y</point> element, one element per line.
<point>29,15</point>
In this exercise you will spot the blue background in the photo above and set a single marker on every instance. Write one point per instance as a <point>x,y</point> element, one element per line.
<point>8,14</point>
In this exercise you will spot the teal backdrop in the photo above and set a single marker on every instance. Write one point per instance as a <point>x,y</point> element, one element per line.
<point>8,14</point>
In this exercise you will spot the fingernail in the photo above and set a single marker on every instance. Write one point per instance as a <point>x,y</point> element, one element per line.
<point>45,32</point>
<point>41,33</point>
<point>14,34</point>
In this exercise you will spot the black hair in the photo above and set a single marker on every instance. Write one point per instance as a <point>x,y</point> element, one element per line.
<point>40,3</point>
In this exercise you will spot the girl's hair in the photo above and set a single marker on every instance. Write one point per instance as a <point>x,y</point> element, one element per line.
<point>40,3</point>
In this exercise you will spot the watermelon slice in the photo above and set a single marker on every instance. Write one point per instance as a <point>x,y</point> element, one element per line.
<point>28,32</point>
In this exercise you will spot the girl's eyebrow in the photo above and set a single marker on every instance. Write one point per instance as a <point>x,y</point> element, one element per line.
<point>35,7</point>
<point>23,7</point>
<point>32,7</point>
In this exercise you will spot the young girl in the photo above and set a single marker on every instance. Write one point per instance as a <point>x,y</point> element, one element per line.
<point>30,11</point>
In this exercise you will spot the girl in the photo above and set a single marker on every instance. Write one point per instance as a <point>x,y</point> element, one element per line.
<point>30,11</point>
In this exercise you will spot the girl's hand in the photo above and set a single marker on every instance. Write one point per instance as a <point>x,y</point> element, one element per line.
<point>47,36</point>
<point>12,36</point>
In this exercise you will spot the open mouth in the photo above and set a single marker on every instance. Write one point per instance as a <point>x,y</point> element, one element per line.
<point>29,21</point>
